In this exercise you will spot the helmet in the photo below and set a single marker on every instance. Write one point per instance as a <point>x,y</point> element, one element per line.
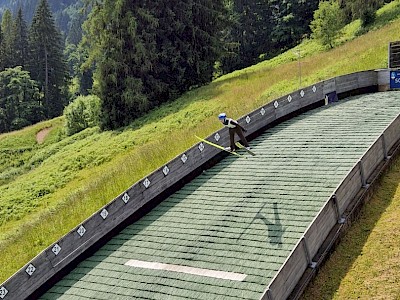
<point>222,116</point>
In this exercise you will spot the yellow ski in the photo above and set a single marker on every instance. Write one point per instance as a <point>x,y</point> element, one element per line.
<point>219,147</point>
<point>239,145</point>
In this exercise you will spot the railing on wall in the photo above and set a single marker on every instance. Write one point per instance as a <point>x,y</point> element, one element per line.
<point>50,264</point>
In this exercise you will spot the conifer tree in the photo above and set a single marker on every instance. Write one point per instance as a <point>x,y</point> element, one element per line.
<point>6,45</point>
<point>291,19</point>
<point>46,62</point>
<point>75,30</point>
<point>264,28</point>
<point>188,42</point>
<point>249,33</point>
<point>206,40</point>
<point>150,52</point>
<point>20,41</point>
<point>365,10</point>
<point>1,51</point>
<point>174,47</point>
<point>123,53</point>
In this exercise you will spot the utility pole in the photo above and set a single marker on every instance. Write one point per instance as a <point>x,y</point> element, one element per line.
<point>298,53</point>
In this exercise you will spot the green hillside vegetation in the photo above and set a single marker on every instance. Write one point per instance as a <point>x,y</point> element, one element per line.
<point>47,189</point>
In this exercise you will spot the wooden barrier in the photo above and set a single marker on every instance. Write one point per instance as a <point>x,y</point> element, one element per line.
<point>321,226</point>
<point>36,276</point>
<point>390,133</point>
<point>289,274</point>
<point>372,158</point>
<point>349,188</point>
<point>347,83</point>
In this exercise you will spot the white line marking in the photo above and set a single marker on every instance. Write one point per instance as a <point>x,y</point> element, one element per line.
<point>187,270</point>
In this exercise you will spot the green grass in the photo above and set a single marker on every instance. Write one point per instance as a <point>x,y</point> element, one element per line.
<point>48,189</point>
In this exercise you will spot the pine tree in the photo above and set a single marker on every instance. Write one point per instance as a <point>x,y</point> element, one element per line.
<point>360,9</point>
<point>2,64</point>
<point>123,53</point>
<point>175,50</point>
<point>46,62</point>
<point>20,41</point>
<point>7,45</point>
<point>75,30</point>
<point>151,52</point>
<point>264,28</point>
<point>188,42</point>
<point>291,20</point>
<point>249,33</point>
<point>206,40</point>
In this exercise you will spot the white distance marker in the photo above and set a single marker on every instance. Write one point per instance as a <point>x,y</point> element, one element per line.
<point>187,270</point>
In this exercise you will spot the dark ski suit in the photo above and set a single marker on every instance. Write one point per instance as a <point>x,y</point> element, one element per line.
<point>234,127</point>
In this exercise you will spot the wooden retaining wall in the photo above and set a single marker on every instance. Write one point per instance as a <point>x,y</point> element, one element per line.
<point>51,264</point>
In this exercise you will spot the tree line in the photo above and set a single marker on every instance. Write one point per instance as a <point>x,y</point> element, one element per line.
<point>149,52</point>
<point>64,11</point>
<point>33,76</point>
<point>140,54</point>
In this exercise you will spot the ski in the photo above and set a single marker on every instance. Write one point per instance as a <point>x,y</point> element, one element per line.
<point>244,148</point>
<point>219,147</point>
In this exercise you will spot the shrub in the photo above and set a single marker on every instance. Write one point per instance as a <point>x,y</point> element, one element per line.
<point>82,113</point>
<point>19,123</point>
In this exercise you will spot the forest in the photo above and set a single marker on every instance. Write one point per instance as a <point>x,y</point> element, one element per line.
<point>64,11</point>
<point>107,62</point>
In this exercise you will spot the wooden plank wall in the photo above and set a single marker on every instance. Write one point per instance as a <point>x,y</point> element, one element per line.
<point>372,158</point>
<point>347,83</point>
<point>349,188</point>
<point>50,263</point>
<point>320,227</point>
<point>390,133</point>
<point>288,275</point>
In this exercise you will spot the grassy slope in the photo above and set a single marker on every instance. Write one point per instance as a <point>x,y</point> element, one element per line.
<point>65,180</point>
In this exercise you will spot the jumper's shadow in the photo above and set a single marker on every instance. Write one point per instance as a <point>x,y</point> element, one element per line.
<point>275,229</point>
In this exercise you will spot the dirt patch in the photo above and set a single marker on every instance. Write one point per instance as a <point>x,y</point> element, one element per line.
<point>41,135</point>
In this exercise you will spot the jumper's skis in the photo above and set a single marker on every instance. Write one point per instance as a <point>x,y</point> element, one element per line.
<point>219,147</point>
<point>239,145</point>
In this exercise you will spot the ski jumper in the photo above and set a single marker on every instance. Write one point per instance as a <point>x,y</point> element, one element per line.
<point>234,127</point>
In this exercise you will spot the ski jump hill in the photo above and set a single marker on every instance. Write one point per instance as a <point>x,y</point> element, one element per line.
<point>210,225</point>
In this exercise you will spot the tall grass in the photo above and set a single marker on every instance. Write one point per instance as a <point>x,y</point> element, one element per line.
<point>66,179</point>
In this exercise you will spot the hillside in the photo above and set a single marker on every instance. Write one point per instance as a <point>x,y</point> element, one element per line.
<point>65,179</point>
